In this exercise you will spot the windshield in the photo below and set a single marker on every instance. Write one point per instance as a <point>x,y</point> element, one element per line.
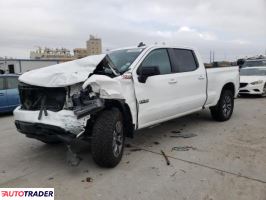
<point>122,59</point>
<point>255,63</point>
<point>252,72</point>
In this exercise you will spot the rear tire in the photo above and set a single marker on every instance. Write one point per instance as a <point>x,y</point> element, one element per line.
<point>224,108</point>
<point>107,144</point>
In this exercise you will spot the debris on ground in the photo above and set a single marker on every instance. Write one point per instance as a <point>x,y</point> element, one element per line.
<point>165,157</point>
<point>127,162</point>
<point>86,171</point>
<point>183,135</point>
<point>156,143</point>
<point>175,131</point>
<point>88,179</point>
<point>51,178</point>
<point>136,149</point>
<point>3,171</point>
<point>183,148</point>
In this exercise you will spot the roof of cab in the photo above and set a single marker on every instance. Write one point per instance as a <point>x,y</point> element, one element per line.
<point>153,46</point>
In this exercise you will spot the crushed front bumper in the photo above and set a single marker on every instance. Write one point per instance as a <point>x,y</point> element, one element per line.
<point>44,131</point>
<point>62,125</point>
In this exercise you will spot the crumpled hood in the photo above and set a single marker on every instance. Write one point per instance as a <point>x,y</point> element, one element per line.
<point>250,79</point>
<point>64,74</point>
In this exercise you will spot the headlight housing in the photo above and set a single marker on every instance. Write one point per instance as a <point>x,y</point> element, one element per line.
<point>257,82</point>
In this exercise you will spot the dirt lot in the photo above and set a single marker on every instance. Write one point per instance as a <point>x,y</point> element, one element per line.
<point>223,161</point>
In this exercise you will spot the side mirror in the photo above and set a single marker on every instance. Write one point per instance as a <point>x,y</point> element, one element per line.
<point>145,71</point>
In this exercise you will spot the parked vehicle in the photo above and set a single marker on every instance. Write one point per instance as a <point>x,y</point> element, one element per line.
<point>104,98</point>
<point>9,97</point>
<point>254,63</point>
<point>253,81</point>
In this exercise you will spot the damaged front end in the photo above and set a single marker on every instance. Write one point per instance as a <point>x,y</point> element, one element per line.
<point>55,113</point>
<point>57,106</point>
<point>63,112</point>
<point>86,102</point>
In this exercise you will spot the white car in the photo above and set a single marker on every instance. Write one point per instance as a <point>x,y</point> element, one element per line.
<point>253,81</point>
<point>254,63</point>
<point>105,98</point>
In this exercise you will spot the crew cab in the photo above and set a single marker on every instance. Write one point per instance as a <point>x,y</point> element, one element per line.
<point>105,98</point>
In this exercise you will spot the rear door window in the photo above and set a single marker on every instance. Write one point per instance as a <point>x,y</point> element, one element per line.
<point>183,60</point>
<point>12,82</point>
<point>2,83</point>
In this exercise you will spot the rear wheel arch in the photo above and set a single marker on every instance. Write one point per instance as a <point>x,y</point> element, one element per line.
<point>229,86</point>
<point>223,110</point>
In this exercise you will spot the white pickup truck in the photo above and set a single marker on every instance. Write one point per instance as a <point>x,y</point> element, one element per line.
<point>104,98</point>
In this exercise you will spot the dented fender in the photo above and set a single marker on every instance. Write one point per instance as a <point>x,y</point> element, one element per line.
<point>106,87</point>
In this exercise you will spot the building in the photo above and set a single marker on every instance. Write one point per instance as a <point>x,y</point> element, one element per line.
<point>19,66</point>
<point>49,53</point>
<point>94,46</point>
<point>80,52</point>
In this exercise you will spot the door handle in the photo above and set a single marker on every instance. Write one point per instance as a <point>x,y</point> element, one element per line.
<point>201,78</point>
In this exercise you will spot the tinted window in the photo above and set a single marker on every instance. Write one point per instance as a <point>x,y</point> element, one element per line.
<point>183,60</point>
<point>252,72</point>
<point>12,82</point>
<point>158,57</point>
<point>122,59</point>
<point>2,83</point>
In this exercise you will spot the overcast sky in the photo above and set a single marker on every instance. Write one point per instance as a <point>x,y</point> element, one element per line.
<point>233,28</point>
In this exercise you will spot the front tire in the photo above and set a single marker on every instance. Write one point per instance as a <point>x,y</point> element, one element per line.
<point>107,144</point>
<point>224,108</point>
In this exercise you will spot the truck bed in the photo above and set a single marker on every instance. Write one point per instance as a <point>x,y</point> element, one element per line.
<point>217,77</point>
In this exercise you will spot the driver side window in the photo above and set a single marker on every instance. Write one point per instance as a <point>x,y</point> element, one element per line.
<point>159,58</point>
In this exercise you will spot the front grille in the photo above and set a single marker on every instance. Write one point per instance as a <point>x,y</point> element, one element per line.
<point>243,85</point>
<point>37,98</point>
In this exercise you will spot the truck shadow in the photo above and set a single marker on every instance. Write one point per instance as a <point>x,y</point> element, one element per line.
<point>142,138</point>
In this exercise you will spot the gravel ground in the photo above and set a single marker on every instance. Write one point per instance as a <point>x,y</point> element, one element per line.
<point>222,161</point>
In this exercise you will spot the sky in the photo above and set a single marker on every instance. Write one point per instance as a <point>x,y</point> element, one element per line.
<point>230,28</point>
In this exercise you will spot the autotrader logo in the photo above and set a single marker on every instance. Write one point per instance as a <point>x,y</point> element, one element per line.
<point>26,193</point>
